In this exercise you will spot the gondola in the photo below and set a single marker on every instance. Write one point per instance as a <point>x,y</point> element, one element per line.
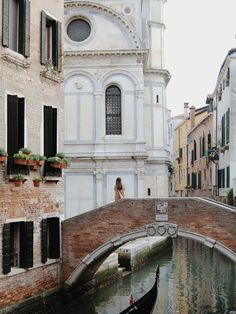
<point>145,304</point>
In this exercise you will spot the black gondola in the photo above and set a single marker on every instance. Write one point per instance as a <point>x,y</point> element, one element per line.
<point>145,304</point>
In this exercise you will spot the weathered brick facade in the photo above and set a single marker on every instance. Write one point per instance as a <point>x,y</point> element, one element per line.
<point>85,233</point>
<point>24,76</point>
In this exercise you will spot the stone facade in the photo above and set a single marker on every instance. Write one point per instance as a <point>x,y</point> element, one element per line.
<point>200,169</point>
<point>223,104</point>
<point>27,87</point>
<point>123,49</point>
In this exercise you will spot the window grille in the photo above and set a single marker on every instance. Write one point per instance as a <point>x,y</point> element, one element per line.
<point>113,111</point>
<point>79,30</point>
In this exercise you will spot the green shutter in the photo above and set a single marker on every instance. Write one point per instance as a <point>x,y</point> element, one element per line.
<point>6,247</point>
<point>26,51</point>
<point>5,23</point>
<point>59,47</point>
<point>43,56</point>
<point>54,237</point>
<point>26,244</point>
<point>44,241</point>
<point>48,132</point>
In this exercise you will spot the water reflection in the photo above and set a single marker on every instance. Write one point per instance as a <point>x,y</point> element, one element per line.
<point>193,279</point>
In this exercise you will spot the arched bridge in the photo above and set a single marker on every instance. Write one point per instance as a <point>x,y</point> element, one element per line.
<point>89,238</point>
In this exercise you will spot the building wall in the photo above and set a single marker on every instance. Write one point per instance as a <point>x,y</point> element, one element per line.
<point>181,164</point>
<point>114,54</point>
<point>22,76</point>
<point>202,164</point>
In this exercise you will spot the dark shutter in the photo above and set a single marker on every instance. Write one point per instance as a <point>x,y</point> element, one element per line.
<point>5,23</point>
<point>203,146</point>
<point>26,244</point>
<point>227,125</point>
<point>223,178</point>
<point>54,43</point>
<point>6,248</point>
<point>54,131</point>
<point>12,125</point>
<point>26,39</point>
<point>58,48</point>
<point>43,53</point>
<point>48,131</point>
<point>44,241</point>
<point>223,131</point>
<point>54,237</point>
<point>21,122</point>
<point>228,177</point>
<point>21,27</point>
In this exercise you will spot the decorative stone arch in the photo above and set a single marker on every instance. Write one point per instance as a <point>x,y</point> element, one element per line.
<point>91,78</point>
<point>104,80</point>
<point>96,258</point>
<point>108,11</point>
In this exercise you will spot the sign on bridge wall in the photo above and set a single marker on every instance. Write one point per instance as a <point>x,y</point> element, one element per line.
<point>161,211</point>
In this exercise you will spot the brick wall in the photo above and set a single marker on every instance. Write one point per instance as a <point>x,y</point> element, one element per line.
<point>85,233</point>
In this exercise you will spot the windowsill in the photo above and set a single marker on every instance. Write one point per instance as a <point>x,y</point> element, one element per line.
<point>16,270</point>
<point>15,58</point>
<point>49,179</point>
<point>51,76</point>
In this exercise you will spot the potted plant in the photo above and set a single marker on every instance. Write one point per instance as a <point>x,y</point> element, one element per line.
<point>64,161</point>
<point>25,151</point>
<point>41,160</point>
<point>55,162</point>
<point>32,160</point>
<point>3,155</point>
<point>36,181</point>
<point>18,179</point>
<point>20,159</point>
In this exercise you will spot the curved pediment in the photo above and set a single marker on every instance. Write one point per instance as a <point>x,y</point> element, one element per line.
<point>110,29</point>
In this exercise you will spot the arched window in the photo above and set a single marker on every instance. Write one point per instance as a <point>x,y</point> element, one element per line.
<point>113,110</point>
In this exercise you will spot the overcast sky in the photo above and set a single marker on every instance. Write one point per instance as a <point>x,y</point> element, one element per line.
<point>198,36</point>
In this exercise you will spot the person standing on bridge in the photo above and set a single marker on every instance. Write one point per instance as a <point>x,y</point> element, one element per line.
<point>119,189</point>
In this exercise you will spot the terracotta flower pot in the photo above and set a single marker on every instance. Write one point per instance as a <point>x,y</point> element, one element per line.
<point>18,182</point>
<point>36,184</point>
<point>22,162</point>
<point>64,166</point>
<point>55,164</point>
<point>41,162</point>
<point>3,159</point>
<point>31,162</point>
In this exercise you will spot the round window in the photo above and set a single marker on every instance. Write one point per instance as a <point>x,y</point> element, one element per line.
<point>79,30</point>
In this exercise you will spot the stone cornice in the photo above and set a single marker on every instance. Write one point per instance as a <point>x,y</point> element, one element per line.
<point>107,10</point>
<point>92,53</point>
<point>165,73</point>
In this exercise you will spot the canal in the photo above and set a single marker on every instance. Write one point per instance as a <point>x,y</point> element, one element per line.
<point>193,279</point>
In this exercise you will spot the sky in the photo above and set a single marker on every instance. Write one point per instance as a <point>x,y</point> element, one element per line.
<point>198,36</point>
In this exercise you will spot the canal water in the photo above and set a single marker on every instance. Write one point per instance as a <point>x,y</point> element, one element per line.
<point>193,279</point>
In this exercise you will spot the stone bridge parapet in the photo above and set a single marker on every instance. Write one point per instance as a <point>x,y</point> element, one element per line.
<point>89,238</point>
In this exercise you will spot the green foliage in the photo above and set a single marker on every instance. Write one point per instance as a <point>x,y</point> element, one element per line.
<point>25,150</point>
<point>17,177</point>
<point>3,152</point>
<point>230,197</point>
<point>54,159</point>
<point>37,179</point>
<point>60,155</point>
<point>21,156</point>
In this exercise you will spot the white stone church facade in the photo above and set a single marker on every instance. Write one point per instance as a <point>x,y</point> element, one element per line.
<point>115,101</point>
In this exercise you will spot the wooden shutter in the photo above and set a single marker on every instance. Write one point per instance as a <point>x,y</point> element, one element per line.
<point>21,122</point>
<point>44,241</point>
<point>43,53</point>
<point>48,131</point>
<point>54,43</point>
<point>26,30</point>
<point>227,125</point>
<point>12,125</point>
<point>26,244</point>
<point>5,23</point>
<point>6,248</point>
<point>54,237</point>
<point>54,131</point>
<point>59,48</point>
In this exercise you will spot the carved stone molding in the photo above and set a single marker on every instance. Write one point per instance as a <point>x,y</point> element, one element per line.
<point>23,63</point>
<point>162,229</point>
<point>109,11</point>
<point>105,53</point>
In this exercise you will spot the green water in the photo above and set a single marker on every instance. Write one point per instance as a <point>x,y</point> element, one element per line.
<point>193,279</point>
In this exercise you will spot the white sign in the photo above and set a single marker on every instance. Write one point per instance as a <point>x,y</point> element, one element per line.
<point>161,211</point>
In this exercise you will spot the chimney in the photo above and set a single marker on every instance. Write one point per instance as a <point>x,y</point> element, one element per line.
<point>192,116</point>
<point>186,107</point>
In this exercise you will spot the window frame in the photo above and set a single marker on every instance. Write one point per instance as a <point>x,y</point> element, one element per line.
<point>109,130</point>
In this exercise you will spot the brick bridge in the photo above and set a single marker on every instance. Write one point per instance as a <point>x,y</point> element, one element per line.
<point>89,238</point>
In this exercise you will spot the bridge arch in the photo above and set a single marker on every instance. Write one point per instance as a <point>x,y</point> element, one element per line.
<point>89,238</point>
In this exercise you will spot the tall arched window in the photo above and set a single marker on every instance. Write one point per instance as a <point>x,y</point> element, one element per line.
<point>113,110</point>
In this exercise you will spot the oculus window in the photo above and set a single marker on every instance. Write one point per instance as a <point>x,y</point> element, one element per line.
<point>79,30</point>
